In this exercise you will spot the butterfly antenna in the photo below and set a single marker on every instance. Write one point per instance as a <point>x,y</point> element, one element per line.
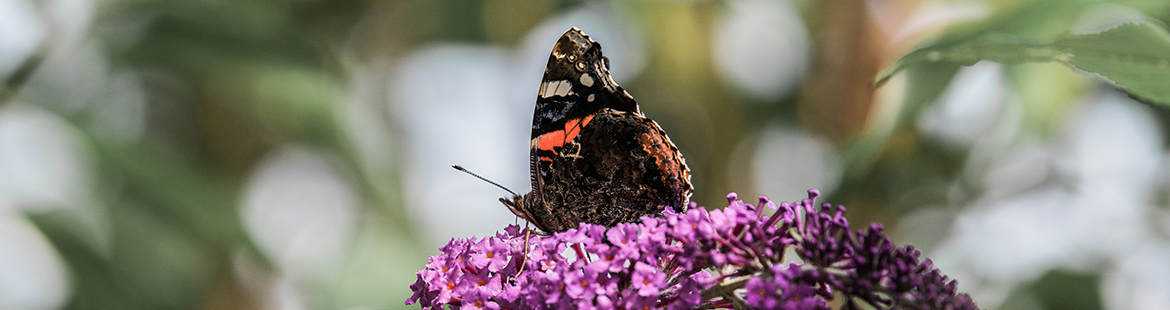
<point>460,168</point>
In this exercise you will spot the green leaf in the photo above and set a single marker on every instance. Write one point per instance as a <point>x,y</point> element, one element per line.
<point>1135,55</point>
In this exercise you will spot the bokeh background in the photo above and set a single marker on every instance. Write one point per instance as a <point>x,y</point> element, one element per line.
<point>295,154</point>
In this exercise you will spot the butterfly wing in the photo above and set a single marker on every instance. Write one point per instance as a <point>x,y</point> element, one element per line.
<point>588,161</point>
<point>621,166</point>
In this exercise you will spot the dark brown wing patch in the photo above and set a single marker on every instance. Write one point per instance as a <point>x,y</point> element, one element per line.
<point>621,167</point>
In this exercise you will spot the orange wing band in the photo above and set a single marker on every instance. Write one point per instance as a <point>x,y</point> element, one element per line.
<point>559,138</point>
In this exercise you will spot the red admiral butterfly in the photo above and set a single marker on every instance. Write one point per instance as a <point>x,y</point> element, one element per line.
<point>594,157</point>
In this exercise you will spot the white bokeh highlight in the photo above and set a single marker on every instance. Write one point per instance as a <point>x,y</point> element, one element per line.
<point>32,275</point>
<point>762,47</point>
<point>1139,279</point>
<point>71,20</point>
<point>301,212</point>
<point>452,103</point>
<point>969,107</point>
<point>43,160</point>
<point>788,162</point>
<point>20,32</point>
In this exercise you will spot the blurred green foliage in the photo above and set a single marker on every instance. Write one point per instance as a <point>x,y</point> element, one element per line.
<point>1132,53</point>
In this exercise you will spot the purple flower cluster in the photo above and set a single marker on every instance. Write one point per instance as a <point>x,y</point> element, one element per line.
<point>729,258</point>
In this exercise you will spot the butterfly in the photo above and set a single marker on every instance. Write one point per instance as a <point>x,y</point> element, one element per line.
<point>594,157</point>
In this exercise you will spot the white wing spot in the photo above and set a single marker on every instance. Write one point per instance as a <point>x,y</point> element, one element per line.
<point>555,88</point>
<point>590,98</point>
<point>564,88</point>
<point>586,80</point>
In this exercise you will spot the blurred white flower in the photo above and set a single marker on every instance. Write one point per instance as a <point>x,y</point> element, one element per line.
<point>32,275</point>
<point>20,32</point>
<point>43,160</point>
<point>1014,167</point>
<point>761,47</point>
<point>452,104</point>
<point>1138,280</point>
<point>997,244</point>
<point>789,161</point>
<point>969,107</point>
<point>1113,152</point>
<point>70,20</point>
<point>301,212</point>
<point>1114,149</point>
